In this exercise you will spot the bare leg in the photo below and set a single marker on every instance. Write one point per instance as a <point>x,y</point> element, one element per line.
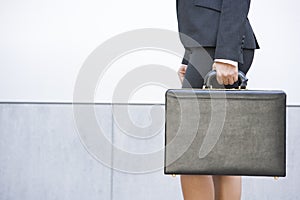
<point>227,187</point>
<point>197,187</point>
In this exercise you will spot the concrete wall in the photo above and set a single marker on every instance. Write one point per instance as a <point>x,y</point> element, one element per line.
<point>43,155</point>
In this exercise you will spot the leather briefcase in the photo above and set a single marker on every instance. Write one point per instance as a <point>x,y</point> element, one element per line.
<point>225,131</point>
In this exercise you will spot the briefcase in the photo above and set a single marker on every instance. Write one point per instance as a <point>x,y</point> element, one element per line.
<point>225,131</point>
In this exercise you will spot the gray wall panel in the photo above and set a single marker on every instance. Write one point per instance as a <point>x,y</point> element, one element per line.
<point>42,157</point>
<point>146,140</point>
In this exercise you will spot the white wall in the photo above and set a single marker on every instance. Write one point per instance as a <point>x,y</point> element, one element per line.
<point>276,24</point>
<point>43,44</point>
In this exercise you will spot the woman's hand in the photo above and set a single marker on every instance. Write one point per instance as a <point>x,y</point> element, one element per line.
<point>227,74</point>
<point>181,72</point>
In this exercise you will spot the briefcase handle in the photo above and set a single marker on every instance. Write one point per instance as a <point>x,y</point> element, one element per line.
<point>213,73</point>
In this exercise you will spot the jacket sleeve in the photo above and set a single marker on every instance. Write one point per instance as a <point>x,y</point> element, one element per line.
<point>230,37</point>
<point>186,57</point>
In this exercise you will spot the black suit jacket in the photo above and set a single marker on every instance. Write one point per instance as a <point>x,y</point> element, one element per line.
<point>216,23</point>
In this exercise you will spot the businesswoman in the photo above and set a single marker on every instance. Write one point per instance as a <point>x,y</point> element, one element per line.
<point>222,28</point>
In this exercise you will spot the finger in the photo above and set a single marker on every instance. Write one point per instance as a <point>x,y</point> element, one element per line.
<point>220,80</point>
<point>214,66</point>
<point>225,81</point>
<point>182,70</point>
<point>236,77</point>
<point>231,81</point>
<point>179,72</point>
